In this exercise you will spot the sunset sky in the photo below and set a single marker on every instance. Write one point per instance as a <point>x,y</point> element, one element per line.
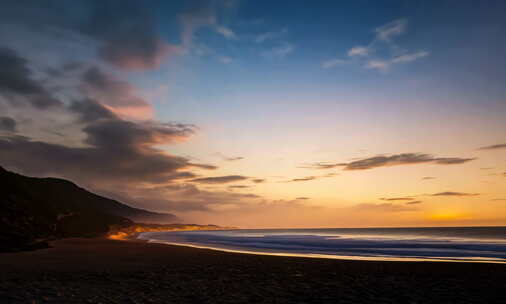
<point>263,113</point>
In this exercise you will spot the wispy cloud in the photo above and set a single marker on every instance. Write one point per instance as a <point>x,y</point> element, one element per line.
<point>396,198</point>
<point>380,65</point>
<point>391,160</point>
<point>239,187</point>
<point>228,158</point>
<point>220,179</point>
<point>409,57</point>
<point>383,39</point>
<point>390,30</point>
<point>358,51</point>
<point>322,165</point>
<point>384,207</point>
<point>428,177</point>
<point>332,63</point>
<point>414,202</point>
<point>270,35</point>
<point>452,193</point>
<point>279,52</point>
<point>225,32</point>
<point>302,198</point>
<point>493,147</point>
<point>310,178</point>
<point>225,59</point>
<point>258,180</point>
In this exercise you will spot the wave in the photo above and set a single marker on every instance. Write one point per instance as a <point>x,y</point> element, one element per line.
<point>373,244</point>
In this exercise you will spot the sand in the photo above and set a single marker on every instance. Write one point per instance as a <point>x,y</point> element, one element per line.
<point>109,271</point>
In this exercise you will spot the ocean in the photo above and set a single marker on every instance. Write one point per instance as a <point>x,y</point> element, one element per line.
<point>470,244</point>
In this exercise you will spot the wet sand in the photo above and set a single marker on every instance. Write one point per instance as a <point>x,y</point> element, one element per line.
<point>108,271</point>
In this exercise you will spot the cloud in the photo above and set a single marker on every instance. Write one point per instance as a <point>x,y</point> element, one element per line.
<point>226,32</point>
<point>310,178</point>
<point>279,52</point>
<point>116,95</point>
<point>380,65</point>
<point>258,180</point>
<point>200,14</point>
<point>493,147</point>
<point>228,158</point>
<point>498,199</point>
<point>403,159</point>
<point>7,124</point>
<point>383,42</point>
<point>451,193</point>
<point>118,151</point>
<point>358,51</point>
<point>220,179</point>
<point>17,84</point>
<point>396,198</point>
<point>239,187</point>
<point>414,202</point>
<point>332,63</point>
<point>303,179</point>
<point>128,34</point>
<point>322,165</point>
<point>428,177</point>
<point>390,30</point>
<point>225,59</point>
<point>391,160</point>
<point>384,207</point>
<point>302,198</point>
<point>409,57</point>
<point>270,35</point>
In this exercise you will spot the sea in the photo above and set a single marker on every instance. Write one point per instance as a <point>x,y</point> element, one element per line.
<point>458,244</point>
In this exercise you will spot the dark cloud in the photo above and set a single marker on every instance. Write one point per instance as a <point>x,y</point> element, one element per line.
<point>7,124</point>
<point>188,197</point>
<point>220,179</point>
<point>451,193</point>
<point>17,84</point>
<point>203,166</point>
<point>403,159</point>
<point>239,187</point>
<point>396,198</point>
<point>414,202</point>
<point>118,95</point>
<point>118,151</point>
<point>228,158</point>
<point>392,160</point>
<point>322,165</point>
<point>309,178</point>
<point>303,179</point>
<point>493,147</point>
<point>428,177</point>
<point>89,110</point>
<point>258,180</point>
<point>302,198</point>
<point>234,158</point>
<point>128,34</point>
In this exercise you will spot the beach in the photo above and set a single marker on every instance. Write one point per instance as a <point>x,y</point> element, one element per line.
<point>100,270</point>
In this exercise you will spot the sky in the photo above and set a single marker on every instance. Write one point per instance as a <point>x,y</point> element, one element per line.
<point>263,114</point>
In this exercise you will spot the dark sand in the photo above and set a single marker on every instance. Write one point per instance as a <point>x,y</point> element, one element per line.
<point>106,271</point>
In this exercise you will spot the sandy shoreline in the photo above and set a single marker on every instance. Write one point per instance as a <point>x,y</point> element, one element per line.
<point>109,271</point>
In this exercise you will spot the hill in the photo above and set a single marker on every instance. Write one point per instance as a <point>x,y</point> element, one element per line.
<point>34,210</point>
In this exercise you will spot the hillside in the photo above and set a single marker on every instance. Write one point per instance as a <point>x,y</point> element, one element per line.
<point>33,210</point>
